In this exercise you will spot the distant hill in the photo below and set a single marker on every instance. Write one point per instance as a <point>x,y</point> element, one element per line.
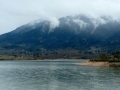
<point>84,34</point>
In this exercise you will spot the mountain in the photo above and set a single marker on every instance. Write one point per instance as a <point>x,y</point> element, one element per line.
<point>86,34</point>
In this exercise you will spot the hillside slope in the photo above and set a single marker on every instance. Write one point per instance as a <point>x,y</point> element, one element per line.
<point>74,33</point>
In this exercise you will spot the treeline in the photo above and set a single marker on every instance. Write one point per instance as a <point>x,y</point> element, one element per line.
<point>115,57</point>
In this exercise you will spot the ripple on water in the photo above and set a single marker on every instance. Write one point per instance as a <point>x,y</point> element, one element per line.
<point>57,75</point>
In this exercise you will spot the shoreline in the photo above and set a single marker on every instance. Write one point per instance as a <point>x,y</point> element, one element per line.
<point>100,64</point>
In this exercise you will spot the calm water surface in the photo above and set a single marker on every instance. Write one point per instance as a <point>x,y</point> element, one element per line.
<point>57,75</point>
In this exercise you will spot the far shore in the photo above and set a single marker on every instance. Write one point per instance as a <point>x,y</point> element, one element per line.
<point>104,64</point>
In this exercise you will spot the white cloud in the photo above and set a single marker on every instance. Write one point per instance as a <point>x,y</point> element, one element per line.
<point>14,13</point>
<point>53,23</point>
<point>81,23</point>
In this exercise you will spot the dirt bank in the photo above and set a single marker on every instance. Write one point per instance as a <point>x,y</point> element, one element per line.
<point>107,64</point>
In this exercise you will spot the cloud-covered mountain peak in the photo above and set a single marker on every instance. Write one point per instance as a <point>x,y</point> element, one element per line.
<point>75,24</point>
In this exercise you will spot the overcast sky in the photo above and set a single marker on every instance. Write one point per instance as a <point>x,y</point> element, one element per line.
<point>14,13</point>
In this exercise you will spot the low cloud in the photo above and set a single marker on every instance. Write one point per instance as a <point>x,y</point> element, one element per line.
<point>15,13</point>
<point>81,23</point>
<point>54,22</point>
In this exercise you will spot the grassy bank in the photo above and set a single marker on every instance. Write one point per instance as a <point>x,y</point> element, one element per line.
<point>5,57</point>
<point>107,58</point>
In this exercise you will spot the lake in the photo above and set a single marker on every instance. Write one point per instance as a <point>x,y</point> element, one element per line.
<point>60,74</point>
